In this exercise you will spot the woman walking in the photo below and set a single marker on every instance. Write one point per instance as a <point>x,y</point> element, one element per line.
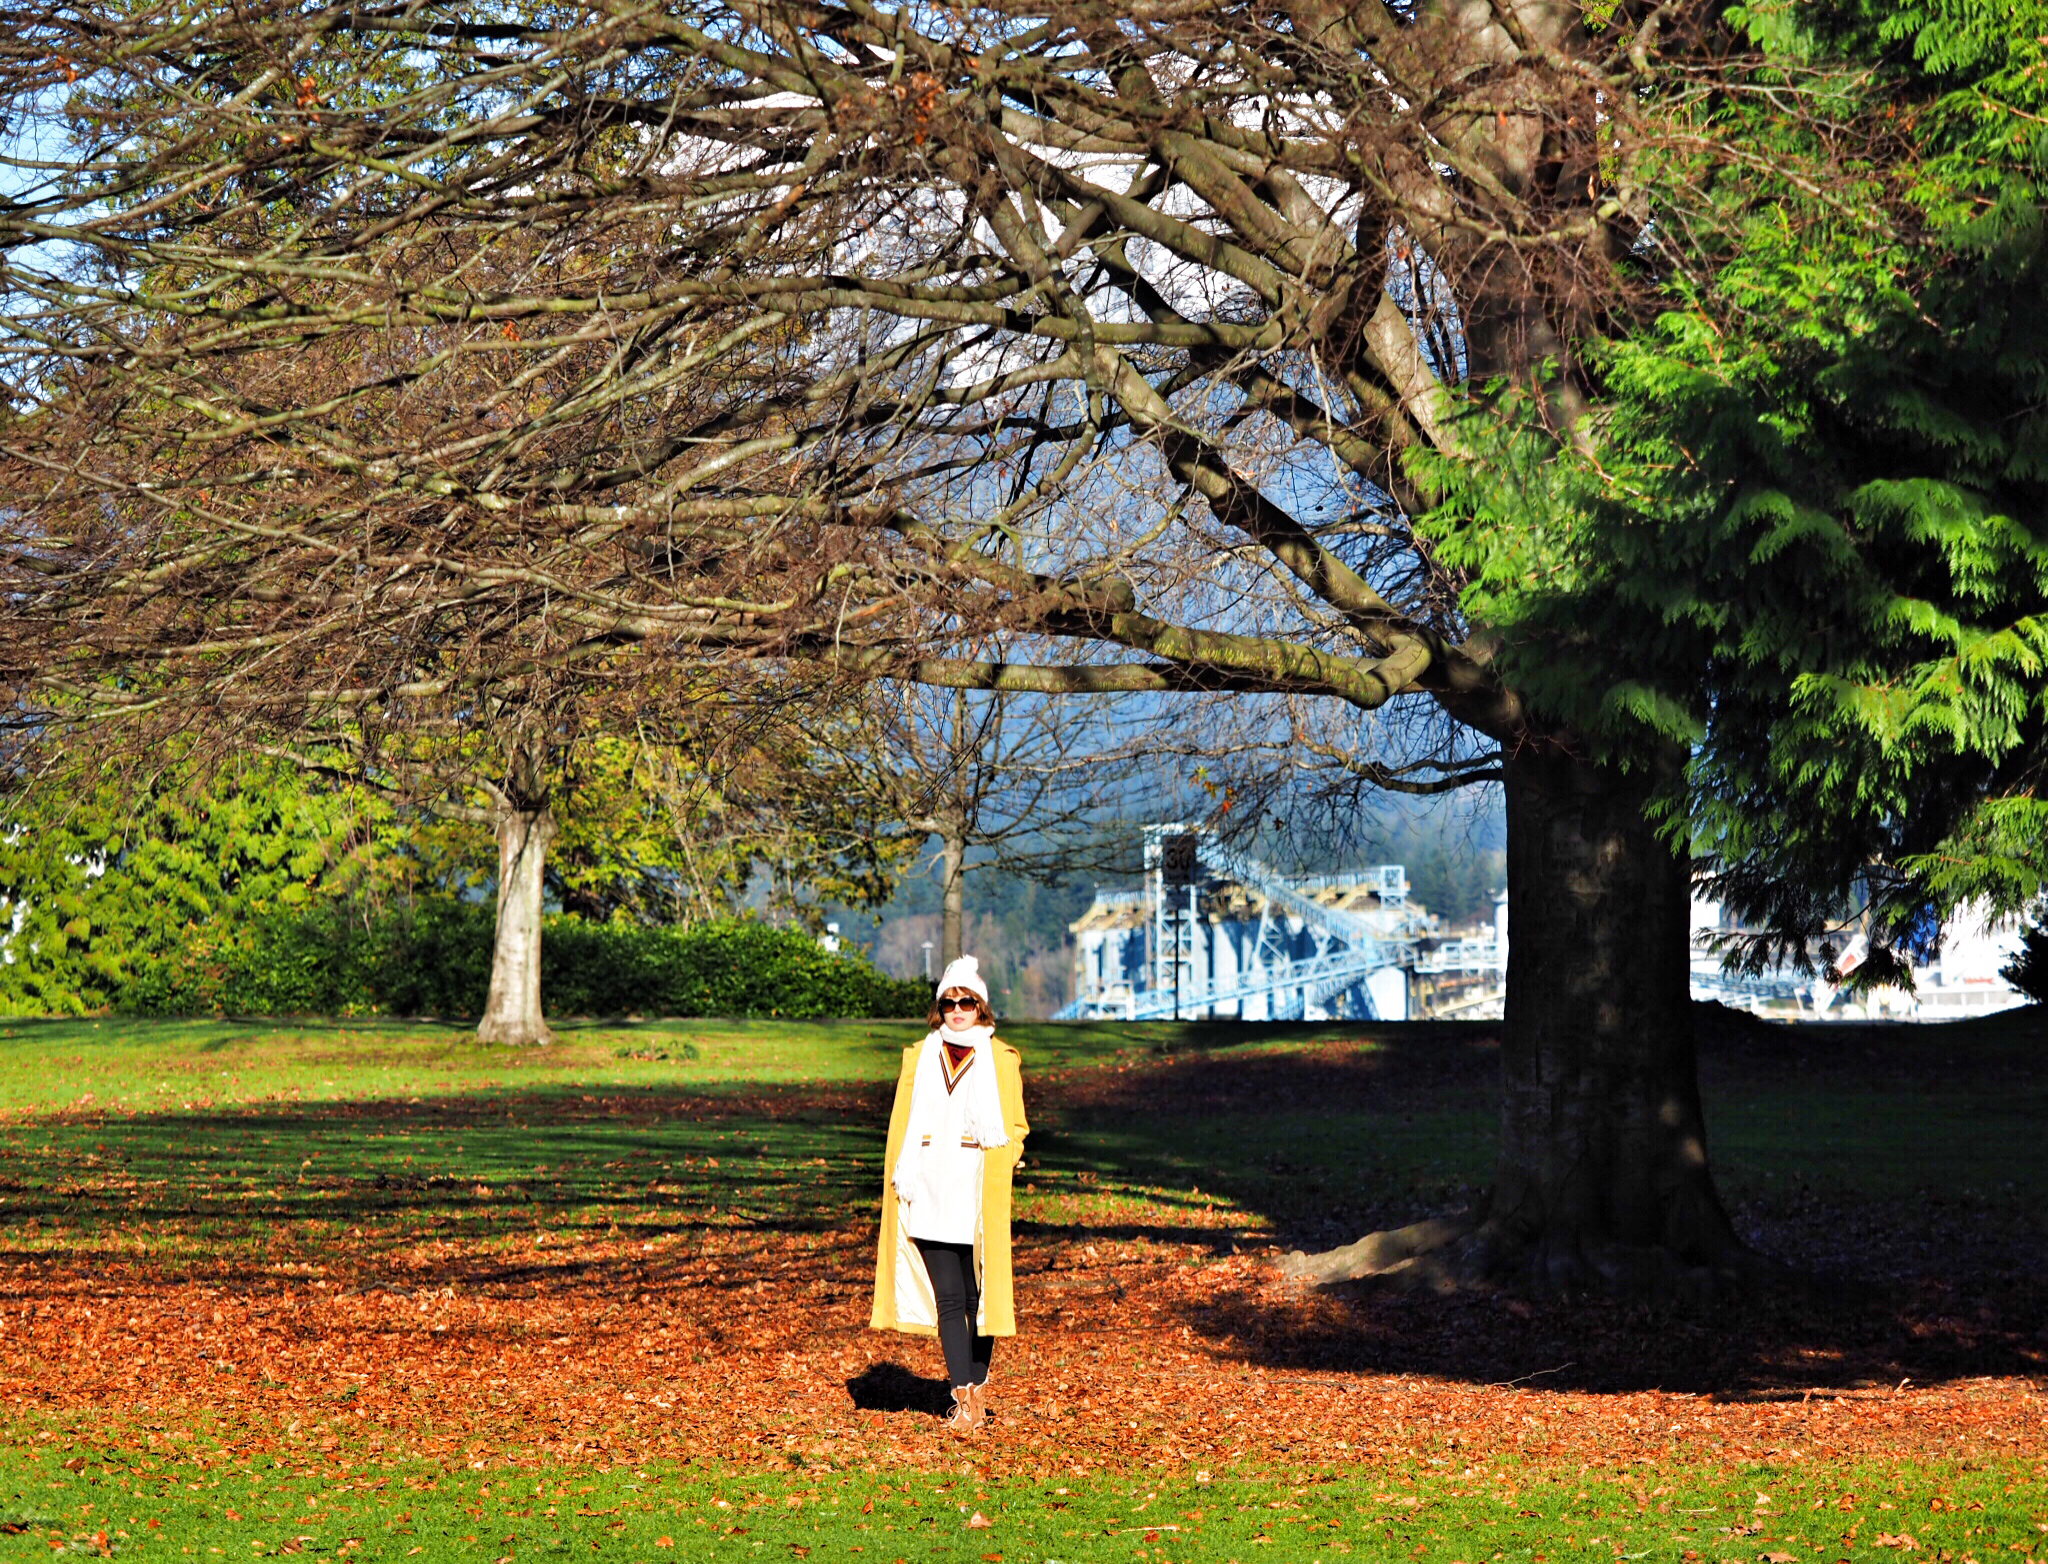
<point>955,1135</point>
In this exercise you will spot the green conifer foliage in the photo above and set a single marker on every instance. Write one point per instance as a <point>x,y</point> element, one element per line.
<point>1810,541</point>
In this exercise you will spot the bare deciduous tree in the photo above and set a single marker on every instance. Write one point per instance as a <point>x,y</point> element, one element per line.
<point>812,330</point>
<point>1038,785</point>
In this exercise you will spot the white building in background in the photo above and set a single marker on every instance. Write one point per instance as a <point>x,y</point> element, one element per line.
<point>1217,934</point>
<point>1966,970</point>
<point>1227,937</point>
<point>1234,934</point>
<point>1962,979</point>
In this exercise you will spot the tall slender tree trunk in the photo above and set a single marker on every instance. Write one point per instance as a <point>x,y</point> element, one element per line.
<point>953,838</point>
<point>953,866</point>
<point>1602,1179</point>
<point>525,825</point>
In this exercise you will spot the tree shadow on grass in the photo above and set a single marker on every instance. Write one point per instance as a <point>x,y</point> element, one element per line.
<point>1775,1347</point>
<point>1904,1170</point>
<point>1917,1165</point>
<point>1313,1145</point>
<point>390,1173</point>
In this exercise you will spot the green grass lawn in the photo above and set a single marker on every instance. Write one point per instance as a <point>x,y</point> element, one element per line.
<point>205,1136</point>
<point>256,1155</point>
<point>1438,1510</point>
<point>122,1066</point>
<point>1891,1111</point>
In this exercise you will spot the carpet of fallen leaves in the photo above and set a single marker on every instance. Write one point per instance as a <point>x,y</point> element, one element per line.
<point>747,1343</point>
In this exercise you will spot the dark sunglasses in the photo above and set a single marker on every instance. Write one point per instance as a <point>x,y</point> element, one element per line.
<point>959,1004</point>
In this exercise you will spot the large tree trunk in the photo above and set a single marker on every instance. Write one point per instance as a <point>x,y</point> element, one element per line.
<point>953,865</point>
<point>1602,1180</point>
<point>512,1013</point>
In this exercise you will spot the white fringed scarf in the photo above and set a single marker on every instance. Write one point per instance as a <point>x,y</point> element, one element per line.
<point>982,1118</point>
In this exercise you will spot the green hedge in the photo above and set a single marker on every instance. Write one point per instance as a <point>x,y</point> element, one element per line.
<point>436,960</point>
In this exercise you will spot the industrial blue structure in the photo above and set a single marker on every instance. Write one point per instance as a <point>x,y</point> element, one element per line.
<point>1217,933</point>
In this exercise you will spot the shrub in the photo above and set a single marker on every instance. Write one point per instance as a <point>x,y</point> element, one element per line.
<point>430,958</point>
<point>735,967</point>
<point>435,959</point>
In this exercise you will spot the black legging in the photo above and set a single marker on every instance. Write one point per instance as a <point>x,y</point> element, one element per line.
<point>951,1268</point>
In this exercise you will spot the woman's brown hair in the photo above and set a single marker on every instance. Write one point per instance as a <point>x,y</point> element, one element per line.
<point>984,1016</point>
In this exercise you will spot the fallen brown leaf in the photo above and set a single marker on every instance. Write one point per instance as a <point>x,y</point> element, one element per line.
<point>595,1347</point>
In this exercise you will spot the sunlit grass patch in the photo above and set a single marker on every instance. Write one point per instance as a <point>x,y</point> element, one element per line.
<point>173,1503</point>
<point>197,1138</point>
<point>188,1140</point>
<point>121,1066</point>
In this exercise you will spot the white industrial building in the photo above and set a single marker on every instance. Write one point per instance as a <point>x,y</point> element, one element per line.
<point>1215,933</point>
<point>1962,979</point>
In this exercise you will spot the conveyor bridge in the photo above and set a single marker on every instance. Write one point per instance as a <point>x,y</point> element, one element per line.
<point>1302,954</point>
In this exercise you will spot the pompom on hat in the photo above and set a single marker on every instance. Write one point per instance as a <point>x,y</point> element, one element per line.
<point>965,972</point>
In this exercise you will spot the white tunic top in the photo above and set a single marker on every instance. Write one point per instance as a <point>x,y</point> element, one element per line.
<point>946,1205</point>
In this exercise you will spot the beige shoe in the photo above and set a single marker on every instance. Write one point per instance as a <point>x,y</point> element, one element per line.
<point>977,1401</point>
<point>965,1417</point>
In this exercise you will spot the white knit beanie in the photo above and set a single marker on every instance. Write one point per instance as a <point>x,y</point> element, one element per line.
<point>963,973</point>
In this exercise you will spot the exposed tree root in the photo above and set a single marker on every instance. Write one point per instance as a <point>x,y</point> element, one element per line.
<point>1455,1254</point>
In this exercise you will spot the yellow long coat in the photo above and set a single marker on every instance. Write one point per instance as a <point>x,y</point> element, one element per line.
<point>903,1293</point>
